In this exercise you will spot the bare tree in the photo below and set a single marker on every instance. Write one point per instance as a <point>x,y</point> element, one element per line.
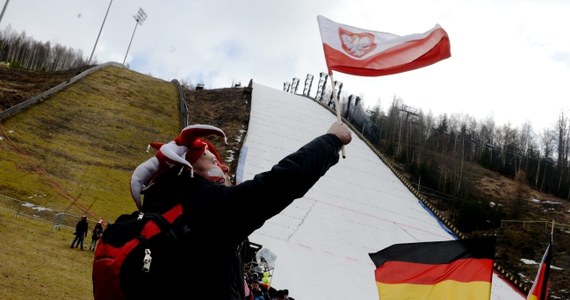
<point>548,141</point>
<point>562,146</point>
<point>23,52</point>
<point>525,140</point>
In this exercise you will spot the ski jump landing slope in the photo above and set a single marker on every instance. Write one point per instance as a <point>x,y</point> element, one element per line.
<point>322,240</point>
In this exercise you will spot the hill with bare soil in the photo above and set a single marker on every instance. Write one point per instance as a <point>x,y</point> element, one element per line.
<point>17,85</point>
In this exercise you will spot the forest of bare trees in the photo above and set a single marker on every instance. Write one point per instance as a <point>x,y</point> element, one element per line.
<point>435,150</point>
<point>19,51</point>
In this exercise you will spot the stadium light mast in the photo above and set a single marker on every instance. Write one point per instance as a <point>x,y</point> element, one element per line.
<point>97,40</point>
<point>139,18</point>
<point>4,9</point>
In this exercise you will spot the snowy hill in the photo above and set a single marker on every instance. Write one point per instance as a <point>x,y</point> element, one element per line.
<point>322,240</point>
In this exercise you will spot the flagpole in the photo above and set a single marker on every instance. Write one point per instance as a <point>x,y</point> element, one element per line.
<point>337,108</point>
<point>552,232</point>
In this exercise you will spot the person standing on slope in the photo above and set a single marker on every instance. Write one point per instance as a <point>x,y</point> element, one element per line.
<point>188,170</point>
<point>81,229</point>
<point>96,235</point>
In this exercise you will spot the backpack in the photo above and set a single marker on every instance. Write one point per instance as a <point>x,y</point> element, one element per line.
<point>139,256</point>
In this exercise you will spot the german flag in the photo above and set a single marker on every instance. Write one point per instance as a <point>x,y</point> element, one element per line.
<point>457,269</point>
<point>539,290</point>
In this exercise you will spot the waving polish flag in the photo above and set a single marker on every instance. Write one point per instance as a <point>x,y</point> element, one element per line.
<point>364,52</point>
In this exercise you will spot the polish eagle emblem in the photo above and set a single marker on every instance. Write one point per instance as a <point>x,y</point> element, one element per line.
<point>356,44</point>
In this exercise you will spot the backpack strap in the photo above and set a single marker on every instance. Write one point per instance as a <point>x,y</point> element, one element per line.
<point>158,223</point>
<point>161,222</point>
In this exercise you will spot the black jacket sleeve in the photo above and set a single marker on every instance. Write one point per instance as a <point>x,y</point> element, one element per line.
<point>254,201</point>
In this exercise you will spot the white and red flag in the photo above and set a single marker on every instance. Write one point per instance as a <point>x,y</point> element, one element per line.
<point>364,52</point>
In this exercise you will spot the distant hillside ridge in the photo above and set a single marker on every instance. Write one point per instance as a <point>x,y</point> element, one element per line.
<point>4,114</point>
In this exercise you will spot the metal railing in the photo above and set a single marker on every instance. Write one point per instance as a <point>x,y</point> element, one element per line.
<point>57,219</point>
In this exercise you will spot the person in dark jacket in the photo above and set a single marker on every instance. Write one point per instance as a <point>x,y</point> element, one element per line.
<point>81,229</point>
<point>221,216</point>
<point>96,235</point>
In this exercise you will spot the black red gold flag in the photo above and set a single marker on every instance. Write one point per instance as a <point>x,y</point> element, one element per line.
<point>539,290</point>
<point>457,269</point>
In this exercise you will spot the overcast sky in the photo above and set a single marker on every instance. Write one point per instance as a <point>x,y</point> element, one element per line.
<point>510,59</point>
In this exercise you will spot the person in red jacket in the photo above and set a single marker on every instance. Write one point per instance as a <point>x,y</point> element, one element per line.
<point>189,170</point>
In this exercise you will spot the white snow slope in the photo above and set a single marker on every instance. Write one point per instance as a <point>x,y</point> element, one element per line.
<point>322,240</point>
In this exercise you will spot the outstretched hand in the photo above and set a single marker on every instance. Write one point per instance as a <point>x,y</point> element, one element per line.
<point>341,131</point>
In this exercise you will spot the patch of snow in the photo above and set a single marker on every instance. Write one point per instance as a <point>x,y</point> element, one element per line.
<point>533,262</point>
<point>35,207</point>
<point>552,202</point>
<point>529,261</point>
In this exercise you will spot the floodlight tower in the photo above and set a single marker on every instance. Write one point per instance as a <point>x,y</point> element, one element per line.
<point>4,9</point>
<point>97,40</point>
<point>139,18</point>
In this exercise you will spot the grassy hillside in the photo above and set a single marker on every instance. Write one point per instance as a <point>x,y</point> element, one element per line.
<point>73,154</point>
<point>37,263</point>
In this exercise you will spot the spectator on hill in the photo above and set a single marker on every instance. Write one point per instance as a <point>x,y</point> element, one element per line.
<point>188,170</point>
<point>96,235</point>
<point>247,289</point>
<point>259,291</point>
<point>81,229</point>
